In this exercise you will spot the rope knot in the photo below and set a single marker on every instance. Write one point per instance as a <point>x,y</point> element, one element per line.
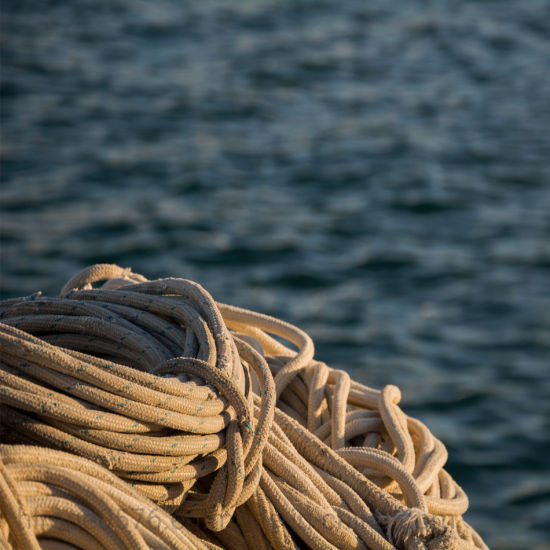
<point>413,529</point>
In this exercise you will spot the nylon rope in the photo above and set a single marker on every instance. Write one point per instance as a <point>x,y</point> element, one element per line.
<point>143,414</point>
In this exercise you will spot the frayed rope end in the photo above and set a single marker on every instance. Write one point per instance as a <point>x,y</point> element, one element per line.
<point>413,529</point>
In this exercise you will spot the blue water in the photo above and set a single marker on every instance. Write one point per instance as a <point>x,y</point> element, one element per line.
<point>376,172</point>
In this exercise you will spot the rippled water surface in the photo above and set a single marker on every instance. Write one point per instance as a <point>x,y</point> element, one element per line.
<point>376,172</point>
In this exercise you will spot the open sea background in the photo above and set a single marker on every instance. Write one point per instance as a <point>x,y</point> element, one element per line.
<point>375,172</point>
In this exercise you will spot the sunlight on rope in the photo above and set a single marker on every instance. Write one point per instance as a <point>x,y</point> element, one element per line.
<point>215,420</point>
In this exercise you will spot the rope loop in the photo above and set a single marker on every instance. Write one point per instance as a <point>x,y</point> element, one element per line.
<point>135,397</point>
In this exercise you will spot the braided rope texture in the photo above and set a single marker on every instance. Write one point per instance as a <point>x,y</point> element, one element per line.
<point>143,414</point>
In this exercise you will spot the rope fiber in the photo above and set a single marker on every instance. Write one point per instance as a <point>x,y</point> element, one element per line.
<point>143,414</point>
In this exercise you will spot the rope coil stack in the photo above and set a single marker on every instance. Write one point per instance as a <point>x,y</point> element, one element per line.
<point>66,498</point>
<point>197,407</point>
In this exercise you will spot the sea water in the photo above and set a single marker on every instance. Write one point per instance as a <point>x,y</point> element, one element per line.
<point>375,172</point>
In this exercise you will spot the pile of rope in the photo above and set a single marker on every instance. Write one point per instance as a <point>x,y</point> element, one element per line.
<point>216,417</point>
<point>50,497</point>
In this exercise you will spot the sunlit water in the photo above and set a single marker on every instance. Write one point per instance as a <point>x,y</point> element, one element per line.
<point>376,172</point>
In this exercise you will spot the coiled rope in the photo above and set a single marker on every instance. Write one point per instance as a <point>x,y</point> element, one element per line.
<point>66,498</point>
<point>246,441</point>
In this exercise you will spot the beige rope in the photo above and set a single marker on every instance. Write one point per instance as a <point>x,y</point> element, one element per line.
<point>52,494</point>
<point>220,415</point>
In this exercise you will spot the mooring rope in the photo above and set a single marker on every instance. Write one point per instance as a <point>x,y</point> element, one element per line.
<point>48,494</point>
<point>219,415</point>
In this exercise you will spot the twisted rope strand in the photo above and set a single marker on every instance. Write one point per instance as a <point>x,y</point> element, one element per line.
<point>136,394</point>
